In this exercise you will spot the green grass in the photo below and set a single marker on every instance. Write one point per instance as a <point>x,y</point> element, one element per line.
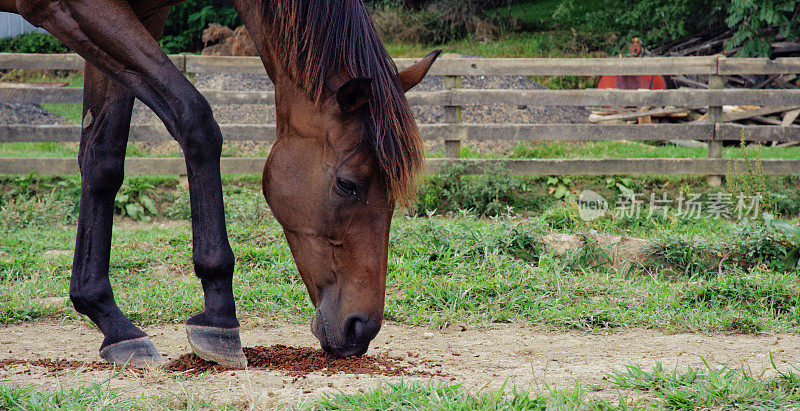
<point>633,149</point>
<point>441,270</point>
<point>89,396</point>
<point>716,386</point>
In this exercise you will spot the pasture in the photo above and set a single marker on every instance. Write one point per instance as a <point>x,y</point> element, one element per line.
<point>505,320</point>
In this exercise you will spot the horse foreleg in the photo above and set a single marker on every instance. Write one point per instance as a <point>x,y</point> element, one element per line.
<point>106,120</point>
<point>107,110</point>
<point>110,36</point>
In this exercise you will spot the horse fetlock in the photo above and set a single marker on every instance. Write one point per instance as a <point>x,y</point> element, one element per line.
<point>90,301</point>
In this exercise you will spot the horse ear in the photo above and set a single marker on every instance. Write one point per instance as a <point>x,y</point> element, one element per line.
<point>411,76</point>
<point>354,94</point>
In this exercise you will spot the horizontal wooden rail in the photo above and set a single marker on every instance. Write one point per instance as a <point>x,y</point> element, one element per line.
<point>464,132</point>
<point>159,166</point>
<point>191,63</point>
<point>475,97</point>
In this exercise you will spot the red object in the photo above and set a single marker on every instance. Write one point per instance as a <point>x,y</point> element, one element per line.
<point>633,82</point>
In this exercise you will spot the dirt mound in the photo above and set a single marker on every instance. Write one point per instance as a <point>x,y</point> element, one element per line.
<point>299,362</point>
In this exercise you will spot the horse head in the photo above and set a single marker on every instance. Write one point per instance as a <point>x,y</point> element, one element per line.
<point>332,178</point>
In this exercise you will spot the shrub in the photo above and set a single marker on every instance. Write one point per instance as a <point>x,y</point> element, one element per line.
<point>438,21</point>
<point>41,43</point>
<point>184,29</point>
<point>493,193</point>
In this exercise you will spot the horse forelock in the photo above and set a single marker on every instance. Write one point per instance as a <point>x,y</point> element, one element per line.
<point>323,39</point>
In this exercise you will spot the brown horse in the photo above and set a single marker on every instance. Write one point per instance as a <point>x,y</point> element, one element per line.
<point>347,148</point>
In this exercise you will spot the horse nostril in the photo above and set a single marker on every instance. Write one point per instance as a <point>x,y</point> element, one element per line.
<point>360,329</point>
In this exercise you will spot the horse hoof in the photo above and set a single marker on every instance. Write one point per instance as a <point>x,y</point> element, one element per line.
<point>139,352</point>
<point>220,345</point>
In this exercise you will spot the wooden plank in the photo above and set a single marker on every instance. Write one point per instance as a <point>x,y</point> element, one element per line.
<point>745,114</point>
<point>465,66</point>
<point>58,61</point>
<point>133,166</point>
<point>464,132</point>
<point>224,64</point>
<point>671,166</point>
<point>440,132</point>
<point>735,132</point>
<point>789,117</point>
<point>568,66</point>
<point>40,95</point>
<point>473,97</point>
<point>636,114</point>
<point>564,132</point>
<point>155,132</point>
<point>736,66</point>
<point>684,166</point>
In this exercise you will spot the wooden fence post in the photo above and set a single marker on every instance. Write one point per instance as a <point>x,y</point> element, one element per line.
<point>715,81</point>
<point>452,115</point>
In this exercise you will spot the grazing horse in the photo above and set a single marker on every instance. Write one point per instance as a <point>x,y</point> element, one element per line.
<point>347,149</point>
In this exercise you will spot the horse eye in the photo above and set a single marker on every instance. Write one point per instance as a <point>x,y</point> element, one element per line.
<point>348,187</point>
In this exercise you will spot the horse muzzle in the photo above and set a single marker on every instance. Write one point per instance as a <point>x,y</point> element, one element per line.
<point>347,338</point>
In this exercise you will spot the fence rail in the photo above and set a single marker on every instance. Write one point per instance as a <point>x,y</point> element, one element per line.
<point>452,132</point>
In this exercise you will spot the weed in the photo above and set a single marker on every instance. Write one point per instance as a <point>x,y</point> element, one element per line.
<point>719,387</point>
<point>132,200</point>
<point>750,293</point>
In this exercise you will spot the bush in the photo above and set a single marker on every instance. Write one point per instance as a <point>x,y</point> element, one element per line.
<point>184,29</point>
<point>41,43</point>
<point>493,193</point>
<point>657,21</point>
<point>654,21</point>
<point>437,21</point>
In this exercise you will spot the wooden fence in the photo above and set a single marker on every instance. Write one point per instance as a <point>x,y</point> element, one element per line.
<point>453,98</point>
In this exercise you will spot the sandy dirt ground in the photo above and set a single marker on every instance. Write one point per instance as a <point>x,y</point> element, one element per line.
<point>481,358</point>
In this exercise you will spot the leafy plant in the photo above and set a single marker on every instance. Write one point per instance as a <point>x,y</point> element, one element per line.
<point>561,187</point>
<point>184,29</point>
<point>42,43</point>
<point>491,194</point>
<point>620,184</point>
<point>759,22</point>
<point>132,201</point>
<point>790,236</point>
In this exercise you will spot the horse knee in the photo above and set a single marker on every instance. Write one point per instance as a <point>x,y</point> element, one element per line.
<point>199,133</point>
<point>102,174</point>
<point>213,262</point>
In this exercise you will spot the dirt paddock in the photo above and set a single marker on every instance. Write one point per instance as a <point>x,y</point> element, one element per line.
<point>526,357</point>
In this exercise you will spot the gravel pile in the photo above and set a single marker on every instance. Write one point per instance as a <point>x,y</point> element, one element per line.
<point>27,114</point>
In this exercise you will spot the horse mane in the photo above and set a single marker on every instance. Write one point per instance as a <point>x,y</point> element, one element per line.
<point>325,39</point>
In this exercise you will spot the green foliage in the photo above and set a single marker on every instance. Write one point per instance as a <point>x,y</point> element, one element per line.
<point>654,21</point>
<point>789,235</point>
<point>758,22</point>
<point>132,201</point>
<point>561,188</point>
<point>493,193</point>
<point>184,29</point>
<point>32,43</point>
<point>657,21</point>
<point>438,21</point>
